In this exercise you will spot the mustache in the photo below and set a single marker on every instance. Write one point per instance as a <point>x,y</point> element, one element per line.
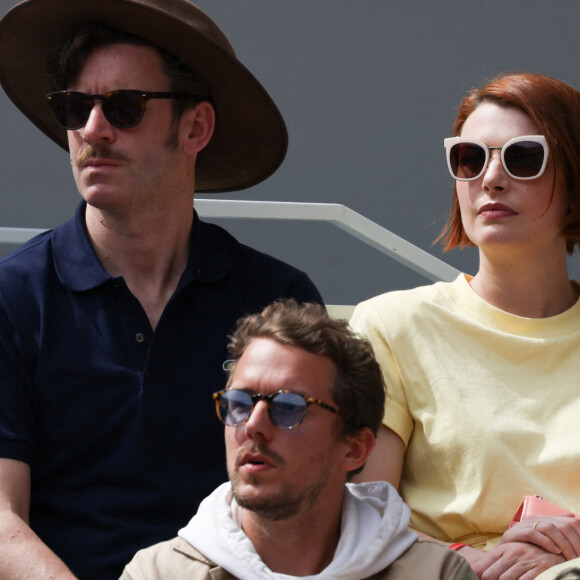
<point>101,152</point>
<point>259,448</point>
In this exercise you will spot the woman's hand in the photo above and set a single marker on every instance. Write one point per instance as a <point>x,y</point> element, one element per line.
<point>514,561</point>
<point>555,534</point>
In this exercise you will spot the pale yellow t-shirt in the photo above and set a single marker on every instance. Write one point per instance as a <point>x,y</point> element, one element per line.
<point>487,403</point>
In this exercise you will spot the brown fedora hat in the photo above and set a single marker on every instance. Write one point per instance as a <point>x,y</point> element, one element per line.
<point>250,139</point>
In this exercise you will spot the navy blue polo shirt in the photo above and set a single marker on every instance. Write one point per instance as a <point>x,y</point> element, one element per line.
<point>117,421</point>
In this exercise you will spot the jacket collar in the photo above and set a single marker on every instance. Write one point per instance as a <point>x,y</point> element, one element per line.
<point>79,268</point>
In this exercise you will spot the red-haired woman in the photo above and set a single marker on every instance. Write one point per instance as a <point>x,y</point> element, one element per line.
<point>483,373</point>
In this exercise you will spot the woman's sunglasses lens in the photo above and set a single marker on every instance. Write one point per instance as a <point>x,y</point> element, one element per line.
<point>287,410</point>
<point>524,159</point>
<point>467,160</point>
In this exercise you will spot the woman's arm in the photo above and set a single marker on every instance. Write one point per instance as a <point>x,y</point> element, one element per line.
<point>516,556</point>
<point>385,462</point>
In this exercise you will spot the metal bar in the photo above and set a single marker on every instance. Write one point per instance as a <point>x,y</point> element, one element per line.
<point>341,216</point>
<point>18,235</point>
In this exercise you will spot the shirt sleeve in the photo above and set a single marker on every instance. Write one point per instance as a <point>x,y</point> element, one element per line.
<point>17,423</point>
<point>368,322</point>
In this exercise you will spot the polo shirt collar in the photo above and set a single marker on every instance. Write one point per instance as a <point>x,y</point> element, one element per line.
<point>209,259</point>
<point>79,268</point>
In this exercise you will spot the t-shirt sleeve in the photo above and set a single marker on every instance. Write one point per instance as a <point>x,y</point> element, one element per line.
<point>368,322</point>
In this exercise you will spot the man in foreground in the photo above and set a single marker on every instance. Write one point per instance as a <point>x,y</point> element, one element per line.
<point>302,406</point>
<point>113,326</point>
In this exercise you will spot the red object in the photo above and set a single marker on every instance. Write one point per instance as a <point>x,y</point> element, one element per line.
<point>534,505</point>
<point>456,547</point>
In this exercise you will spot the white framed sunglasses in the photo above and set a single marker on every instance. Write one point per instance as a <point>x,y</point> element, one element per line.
<point>523,157</point>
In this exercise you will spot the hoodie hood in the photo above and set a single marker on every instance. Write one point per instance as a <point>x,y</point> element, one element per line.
<point>374,534</point>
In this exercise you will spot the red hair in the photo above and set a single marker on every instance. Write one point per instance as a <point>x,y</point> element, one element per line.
<point>554,107</point>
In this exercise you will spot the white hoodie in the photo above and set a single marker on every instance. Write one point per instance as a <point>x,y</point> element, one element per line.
<point>374,534</point>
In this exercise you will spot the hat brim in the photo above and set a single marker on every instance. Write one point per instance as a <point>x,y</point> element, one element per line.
<point>250,138</point>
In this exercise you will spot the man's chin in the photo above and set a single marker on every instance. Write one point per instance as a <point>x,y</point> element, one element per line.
<point>271,505</point>
<point>102,196</point>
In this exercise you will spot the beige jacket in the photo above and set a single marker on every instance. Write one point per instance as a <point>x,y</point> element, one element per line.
<point>176,559</point>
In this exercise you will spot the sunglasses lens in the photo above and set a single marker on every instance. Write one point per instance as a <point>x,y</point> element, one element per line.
<point>71,109</point>
<point>287,410</point>
<point>467,160</point>
<point>234,407</point>
<point>524,158</point>
<point>124,109</point>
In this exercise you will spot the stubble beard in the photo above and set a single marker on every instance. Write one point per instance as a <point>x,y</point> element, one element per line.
<point>288,502</point>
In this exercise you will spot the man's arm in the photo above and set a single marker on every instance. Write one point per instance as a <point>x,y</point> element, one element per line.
<point>24,555</point>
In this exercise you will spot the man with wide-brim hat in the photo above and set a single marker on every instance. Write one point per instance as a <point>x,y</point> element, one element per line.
<point>113,326</point>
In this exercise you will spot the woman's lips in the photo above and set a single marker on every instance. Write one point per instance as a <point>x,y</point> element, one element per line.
<point>496,210</point>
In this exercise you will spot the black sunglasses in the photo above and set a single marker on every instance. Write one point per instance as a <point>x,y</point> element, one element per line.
<point>122,109</point>
<point>286,409</point>
<point>523,157</point>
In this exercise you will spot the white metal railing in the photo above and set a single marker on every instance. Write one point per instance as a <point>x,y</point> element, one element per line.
<point>343,217</point>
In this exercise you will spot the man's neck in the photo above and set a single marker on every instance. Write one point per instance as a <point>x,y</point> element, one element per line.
<point>150,253</point>
<point>299,546</point>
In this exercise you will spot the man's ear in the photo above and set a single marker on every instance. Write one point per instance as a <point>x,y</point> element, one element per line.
<point>359,448</point>
<point>197,126</point>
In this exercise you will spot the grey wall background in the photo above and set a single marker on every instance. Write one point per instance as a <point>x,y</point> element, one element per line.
<point>369,89</point>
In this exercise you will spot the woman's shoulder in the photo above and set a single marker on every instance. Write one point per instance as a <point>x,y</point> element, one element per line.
<point>439,293</point>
